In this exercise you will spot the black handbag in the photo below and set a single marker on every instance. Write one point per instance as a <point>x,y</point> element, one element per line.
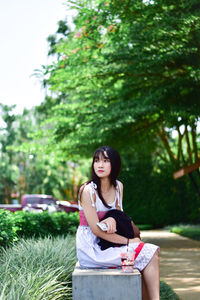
<point>123,224</point>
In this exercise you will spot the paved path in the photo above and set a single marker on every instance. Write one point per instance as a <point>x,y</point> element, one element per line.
<point>179,262</point>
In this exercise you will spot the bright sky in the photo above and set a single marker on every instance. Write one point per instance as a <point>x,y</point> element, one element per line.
<point>24,28</point>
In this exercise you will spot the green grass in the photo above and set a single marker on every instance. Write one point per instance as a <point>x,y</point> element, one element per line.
<point>190,231</point>
<point>38,269</point>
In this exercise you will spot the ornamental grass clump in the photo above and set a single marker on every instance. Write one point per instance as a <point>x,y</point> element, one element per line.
<point>166,292</point>
<point>38,269</point>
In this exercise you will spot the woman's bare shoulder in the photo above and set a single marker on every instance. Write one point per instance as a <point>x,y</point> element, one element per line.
<point>85,195</point>
<point>120,184</point>
<point>84,189</point>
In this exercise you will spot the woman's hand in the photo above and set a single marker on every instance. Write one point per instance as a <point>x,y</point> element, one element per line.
<point>111,223</point>
<point>135,240</point>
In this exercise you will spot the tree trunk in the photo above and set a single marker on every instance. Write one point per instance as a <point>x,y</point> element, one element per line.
<point>164,138</point>
<point>189,151</point>
<point>194,142</point>
<point>179,151</point>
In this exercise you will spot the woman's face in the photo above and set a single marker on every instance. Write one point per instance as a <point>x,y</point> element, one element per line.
<point>102,165</point>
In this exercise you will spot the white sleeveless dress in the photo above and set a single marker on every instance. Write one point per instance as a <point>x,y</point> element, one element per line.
<point>89,252</point>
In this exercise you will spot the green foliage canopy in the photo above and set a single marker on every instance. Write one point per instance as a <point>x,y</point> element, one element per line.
<point>129,69</point>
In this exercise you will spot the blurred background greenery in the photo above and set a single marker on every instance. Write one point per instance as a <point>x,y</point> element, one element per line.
<point>126,75</point>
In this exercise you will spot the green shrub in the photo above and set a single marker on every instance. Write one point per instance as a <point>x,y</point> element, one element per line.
<point>29,224</point>
<point>189,231</point>
<point>43,224</point>
<point>7,228</point>
<point>65,223</point>
<point>38,269</point>
<point>34,224</point>
<point>145,226</point>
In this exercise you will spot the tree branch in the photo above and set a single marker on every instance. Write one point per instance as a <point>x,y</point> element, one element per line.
<point>189,151</point>
<point>161,156</point>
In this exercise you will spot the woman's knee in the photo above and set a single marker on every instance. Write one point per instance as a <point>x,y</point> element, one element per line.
<point>156,255</point>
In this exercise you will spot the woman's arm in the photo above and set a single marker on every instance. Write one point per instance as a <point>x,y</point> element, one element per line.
<point>121,195</point>
<point>110,222</point>
<point>92,219</point>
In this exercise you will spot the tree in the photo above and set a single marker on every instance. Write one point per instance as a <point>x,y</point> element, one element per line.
<point>129,70</point>
<point>41,172</point>
<point>8,170</point>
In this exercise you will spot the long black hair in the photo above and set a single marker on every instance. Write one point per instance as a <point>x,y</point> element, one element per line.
<point>115,160</point>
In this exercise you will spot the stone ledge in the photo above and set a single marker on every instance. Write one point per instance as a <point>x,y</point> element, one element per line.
<point>106,284</point>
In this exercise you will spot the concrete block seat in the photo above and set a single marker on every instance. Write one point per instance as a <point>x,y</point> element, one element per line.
<point>106,284</point>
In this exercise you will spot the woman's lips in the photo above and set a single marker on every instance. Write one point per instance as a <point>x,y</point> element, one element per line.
<point>100,171</point>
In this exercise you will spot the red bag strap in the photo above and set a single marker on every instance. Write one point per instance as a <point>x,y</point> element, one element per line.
<point>138,249</point>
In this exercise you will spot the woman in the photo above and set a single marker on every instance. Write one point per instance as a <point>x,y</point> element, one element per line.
<point>96,197</point>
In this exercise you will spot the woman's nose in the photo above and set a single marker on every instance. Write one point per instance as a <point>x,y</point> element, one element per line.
<point>100,163</point>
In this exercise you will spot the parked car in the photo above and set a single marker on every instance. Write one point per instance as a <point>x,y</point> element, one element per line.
<point>68,206</point>
<point>41,202</point>
<point>11,207</point>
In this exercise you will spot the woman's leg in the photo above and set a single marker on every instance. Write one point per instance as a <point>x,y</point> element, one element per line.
<point>145,295</point>
<point>151,278</point>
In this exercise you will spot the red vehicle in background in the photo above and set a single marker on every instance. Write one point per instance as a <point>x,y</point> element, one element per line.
<point>41,202</point>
